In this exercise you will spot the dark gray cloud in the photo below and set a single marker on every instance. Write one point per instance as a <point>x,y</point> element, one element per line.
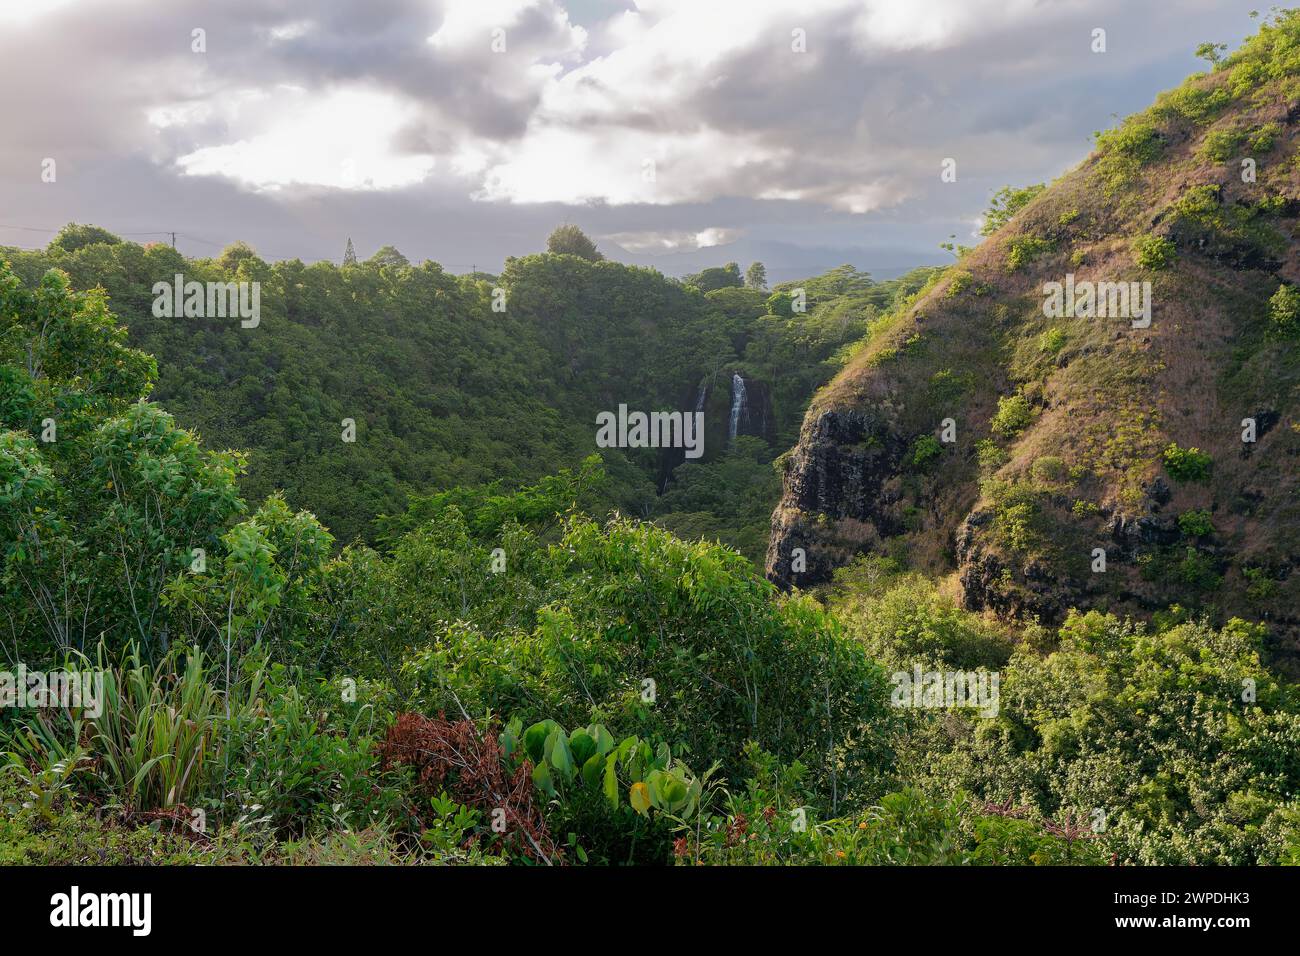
<point>805,160</point>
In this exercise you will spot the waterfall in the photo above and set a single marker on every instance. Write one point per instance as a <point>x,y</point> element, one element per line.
<point>737,404</point>
<point>703,393</point>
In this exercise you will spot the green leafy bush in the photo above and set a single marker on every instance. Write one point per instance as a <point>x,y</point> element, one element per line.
<point>1049,469</point>
<point>1261,586</point>
<point>1154,252</point>
<point>619,800</point>
<point>1014,415</point>
<point>924,451</point>
<point>990,454</point>
<point>902,620</point>
<point>1022,250</point>
<point>1123,152</point>
<point>770,825</point>
<point>1221,145</point>
<point>1157,735</point>
<point>1006,202</point>
<point>301,760</point>
<point>606,608</point>
<point>1262,139</point>
<point>1186,464</point>
<point>961,280</point>
<point>1284,313</point>
<point>1052,341</point>
<point>1196,524</point>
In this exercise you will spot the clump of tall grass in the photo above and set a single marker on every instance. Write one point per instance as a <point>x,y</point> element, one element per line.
<point>152,742</point>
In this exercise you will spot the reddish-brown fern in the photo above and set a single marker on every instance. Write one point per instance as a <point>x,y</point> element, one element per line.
<point>466,763</point>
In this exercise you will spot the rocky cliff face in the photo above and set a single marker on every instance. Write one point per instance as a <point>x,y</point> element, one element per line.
<point>1119,460</point>
<point>838,500</point>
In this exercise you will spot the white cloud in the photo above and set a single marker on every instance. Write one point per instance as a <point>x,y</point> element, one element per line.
<point>933,24</point>
<point>468,28</point>
<point>289,136</point>
<point>558,164</point>
<point>291,30</point>
<point>677,101</point>
<point>647,100</point>
<point>654,242</point>
<point>792,148</point>
<point>25,11</point>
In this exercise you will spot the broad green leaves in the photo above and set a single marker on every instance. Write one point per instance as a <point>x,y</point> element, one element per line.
<point>631,773</point>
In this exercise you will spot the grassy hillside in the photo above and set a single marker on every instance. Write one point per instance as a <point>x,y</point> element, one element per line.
<point>1082,433</point>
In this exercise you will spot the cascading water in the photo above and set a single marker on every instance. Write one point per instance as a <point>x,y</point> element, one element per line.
<point>737,404</point>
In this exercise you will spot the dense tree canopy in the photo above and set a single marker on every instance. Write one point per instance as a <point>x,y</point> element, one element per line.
<point>444,390</point>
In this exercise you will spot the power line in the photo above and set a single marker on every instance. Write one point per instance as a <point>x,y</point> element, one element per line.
<point>157,232</point>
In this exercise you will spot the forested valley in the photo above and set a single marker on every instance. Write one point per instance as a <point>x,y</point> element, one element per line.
<point>362,587</point>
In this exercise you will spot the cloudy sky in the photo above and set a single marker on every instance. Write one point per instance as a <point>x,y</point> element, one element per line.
<point>678,133</point>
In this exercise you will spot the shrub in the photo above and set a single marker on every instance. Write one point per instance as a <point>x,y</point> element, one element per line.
<point>1196,571</point>
<point>607,606</point>
<point>1153,252</point>
<point>1260,585</point>
<point>904,620</point>
<point>1023,250</point>
<point>1201,219</point>
<point>1015,523</point>
<point>617,800</point>
<point>1262,139</point>
<point>1196,524</point>
<point>1221,145</point>
<point>1052,341</point>
<point>1006,202</point>
<point>1013,416</point>
<point>1284,313</point>
<point>961,281</point>
<point>947,386</point>
<point>1192,102</point>
<point>1049,469</point>
<point>301,760</point>
<point>991,455</point>
<point>1186,464</point>
<point>1125,150</point>
<point>463,762</point>
<point>1148,725</point>
<point>924,451</point>
<point>1134,139</point>
<point>769,825</point>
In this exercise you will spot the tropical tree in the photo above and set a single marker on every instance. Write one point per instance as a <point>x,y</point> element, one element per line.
<point>571,241</point>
